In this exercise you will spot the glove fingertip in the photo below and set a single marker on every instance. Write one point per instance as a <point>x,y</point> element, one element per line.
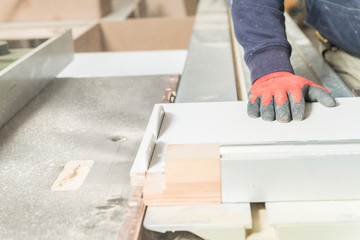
<point>299,118</point>
<point>251,115</point>
<point>328,101</point>
<point>322,97</point>
<point>253,109</point>
<point>267,118</point>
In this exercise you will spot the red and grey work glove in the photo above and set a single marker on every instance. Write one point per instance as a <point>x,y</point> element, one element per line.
<point>282,96</point>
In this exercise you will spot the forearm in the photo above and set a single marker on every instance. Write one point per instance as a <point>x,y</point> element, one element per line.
<point>259,27</point>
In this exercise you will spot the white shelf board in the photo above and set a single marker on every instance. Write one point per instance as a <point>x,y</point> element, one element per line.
<point>137,63</point>
<point>228,123</point>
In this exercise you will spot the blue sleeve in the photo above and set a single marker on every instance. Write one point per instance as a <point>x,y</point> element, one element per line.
<point>337,21</point>
<point>259,26</point>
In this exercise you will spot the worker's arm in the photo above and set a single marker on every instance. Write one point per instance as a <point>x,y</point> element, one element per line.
<point>276,92</point>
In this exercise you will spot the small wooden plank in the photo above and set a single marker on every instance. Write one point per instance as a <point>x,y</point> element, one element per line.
<point>72,176</point>
<point>192,176</point>
<point>188,162</point>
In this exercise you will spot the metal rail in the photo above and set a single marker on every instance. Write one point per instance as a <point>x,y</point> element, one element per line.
<point>21,81</point>
<point>209,70</point>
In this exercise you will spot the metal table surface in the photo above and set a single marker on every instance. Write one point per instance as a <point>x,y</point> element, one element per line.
<point>100,119</point>
<point>209,70</point>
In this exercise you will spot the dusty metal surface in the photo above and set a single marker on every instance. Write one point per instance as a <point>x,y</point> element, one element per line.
<point>24,79</point>
<point>99,119</point>
<point>209,71</point>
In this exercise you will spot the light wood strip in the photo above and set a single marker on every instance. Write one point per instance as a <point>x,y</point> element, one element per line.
<point>192,176</point>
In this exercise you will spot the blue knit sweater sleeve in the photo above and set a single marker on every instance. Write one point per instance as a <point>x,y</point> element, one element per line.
<point>259,27</point>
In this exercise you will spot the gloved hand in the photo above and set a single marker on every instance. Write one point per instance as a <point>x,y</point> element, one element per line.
<point>282,95</point>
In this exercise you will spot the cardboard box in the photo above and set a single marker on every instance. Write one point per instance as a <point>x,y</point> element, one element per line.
<point>139,34</point>
<point>46,10</point>
<point>170,8</point>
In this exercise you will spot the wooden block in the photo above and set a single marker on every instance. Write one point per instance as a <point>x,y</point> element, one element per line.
<point>192,176</point>
<point>185,162</point>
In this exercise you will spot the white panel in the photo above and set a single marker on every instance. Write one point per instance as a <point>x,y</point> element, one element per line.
<point>313,212</point>
<point>142,159</point>
<point>228,123</point>
<point>276,179</point>
<point>330,220</point>
<point>139,63</point>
